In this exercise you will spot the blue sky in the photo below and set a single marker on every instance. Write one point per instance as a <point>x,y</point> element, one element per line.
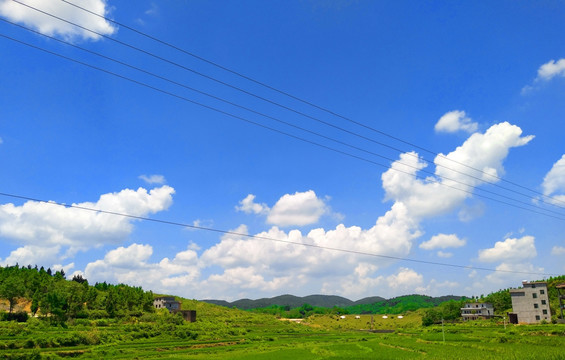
<point>481,83</point>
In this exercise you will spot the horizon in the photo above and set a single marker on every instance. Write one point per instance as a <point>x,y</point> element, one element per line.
<point>442,169</point>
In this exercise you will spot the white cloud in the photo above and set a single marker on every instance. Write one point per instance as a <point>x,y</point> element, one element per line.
<point>51,26</point>
<point>454,121</point>
<point>131,265</point>
<point>551,69</point>
<point>153,179</point>
<point>554,182</point>
<point>248,206</point>
<point>32,255</point>
<point>511,250</point>
<point>558,250</point>
<point>407,280</point>
<point>443,254</point>
<point>546,72</point>
<point>48,225</point>
<point>298,209</point>
<point>439,194</point>
<point>508,273</point>
<point>443,241</point>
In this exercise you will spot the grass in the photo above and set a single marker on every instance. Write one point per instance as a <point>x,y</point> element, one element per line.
<point>221,333</point>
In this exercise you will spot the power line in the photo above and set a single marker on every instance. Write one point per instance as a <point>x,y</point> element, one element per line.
<point>295,136</point>
<point>274,118</point>
<point>324,109</point>
<point>552,201</point>
<point>259,237</point>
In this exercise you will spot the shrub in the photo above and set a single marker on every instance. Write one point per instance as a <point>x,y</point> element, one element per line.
<point>20,316</point>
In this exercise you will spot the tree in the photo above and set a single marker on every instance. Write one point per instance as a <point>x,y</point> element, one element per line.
<point>11,289</point>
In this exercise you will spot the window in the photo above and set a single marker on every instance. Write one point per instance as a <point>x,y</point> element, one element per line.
<point>536,306</point>
<point>537,317</point>
<point>542,292</point>
<point>544,312</point>
<point>535,295</point>
<point>543,302</point>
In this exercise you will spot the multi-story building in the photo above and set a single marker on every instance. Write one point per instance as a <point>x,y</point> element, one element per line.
<point>474,311</point>
<point>166,302</point>
<point>530,304</point>
<point>174,306</point>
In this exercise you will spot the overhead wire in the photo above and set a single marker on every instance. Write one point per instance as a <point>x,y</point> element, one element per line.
<point>261,237</point>
<point>429,180</point>
<point>272,129</point>
<point>551,202</point>
<point>276,119</point>
<point>309,103</point>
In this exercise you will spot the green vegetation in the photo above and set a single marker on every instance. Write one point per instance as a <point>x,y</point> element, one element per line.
<point>57,300</point>
<point>401,304</point>
<point>69,318</point>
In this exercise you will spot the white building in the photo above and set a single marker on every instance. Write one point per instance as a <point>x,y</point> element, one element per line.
<point>474,311</point>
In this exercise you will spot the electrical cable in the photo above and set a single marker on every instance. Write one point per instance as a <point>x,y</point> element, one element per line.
<point>288,134</point>
<point>552,201</point>
<point>271,117</point>
<point>259,237</point>
<point>285,133</point>
<point>306,101</point>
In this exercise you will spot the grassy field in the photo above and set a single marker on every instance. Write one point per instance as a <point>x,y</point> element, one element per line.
<point>221,333</point>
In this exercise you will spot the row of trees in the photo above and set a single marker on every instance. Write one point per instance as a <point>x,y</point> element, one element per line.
<point>300,312</point>
<point>53,296</point>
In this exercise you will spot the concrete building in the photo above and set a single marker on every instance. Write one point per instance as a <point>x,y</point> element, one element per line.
<point>530,304</point>
<point>169,303</point>
<point>166,302</point>
<point>474,311</point>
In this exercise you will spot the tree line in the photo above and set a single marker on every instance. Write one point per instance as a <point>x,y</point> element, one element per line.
<point>57,299</point>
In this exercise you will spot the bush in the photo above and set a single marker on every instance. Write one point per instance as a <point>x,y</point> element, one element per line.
<point>20,316</point>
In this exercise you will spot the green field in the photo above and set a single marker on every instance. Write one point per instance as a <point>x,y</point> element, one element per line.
<point>221,333</point>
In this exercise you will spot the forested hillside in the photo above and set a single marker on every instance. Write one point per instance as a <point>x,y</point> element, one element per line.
<point>52,296</point>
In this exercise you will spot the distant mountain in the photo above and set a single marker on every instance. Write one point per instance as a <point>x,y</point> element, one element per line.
<point>286,300</point>
<point>369,300</point>
<point>373,304</point>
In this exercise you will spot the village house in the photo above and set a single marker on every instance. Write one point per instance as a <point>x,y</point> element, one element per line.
<point>474,311</point>
<point>530,304</point>
<point>174,306</point>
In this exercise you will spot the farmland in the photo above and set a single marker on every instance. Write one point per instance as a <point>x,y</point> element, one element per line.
<point>230,333</point>
<point>47,316</point>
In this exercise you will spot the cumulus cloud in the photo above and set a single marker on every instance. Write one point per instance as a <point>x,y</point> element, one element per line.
<point>48,225</point>
<point>443,241</point>
<point>249,206</point>
<point>551,69</point>
<point>131,265</point>
<point>407,280</point>
<point>546,72</point>
<point>51,26</point>
<point>153,179</point>
<point>441,193</point>
<point>558,250</point>
<point>298,209</point>
<point>454,121</point>
<point>512,250</point>
<point>33,254</point>
<point>554,182</point>
<point>508,273</point>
